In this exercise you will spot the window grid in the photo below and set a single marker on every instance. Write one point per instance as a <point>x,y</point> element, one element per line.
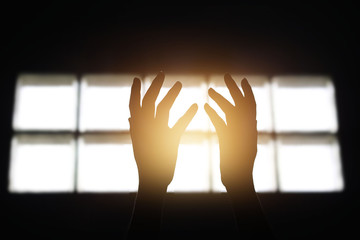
<point>209,133</point>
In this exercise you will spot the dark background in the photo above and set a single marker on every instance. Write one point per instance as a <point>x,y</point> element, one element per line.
<point>259,39</point>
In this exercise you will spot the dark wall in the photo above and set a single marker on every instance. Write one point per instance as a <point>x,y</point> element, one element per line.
<point>262,39</point>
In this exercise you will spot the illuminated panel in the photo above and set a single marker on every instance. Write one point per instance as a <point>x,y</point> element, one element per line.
<point>192,166</point>
<point>304,104</point>
<point>193,90</point>
<point>264,172</point>
<point>309,163</point>
<point>261,89</point>
<point>106,164</point>
<point>45,102</point>
<point>105,102</point>
<point>42,163</point>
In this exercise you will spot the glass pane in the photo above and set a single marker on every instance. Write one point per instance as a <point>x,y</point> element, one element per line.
<point>42,163</point>
<point>105,102</point>
<point>106,164</point>
<point>45,102</point>
<point>309,163</point>
<point>192,166</point>
<point>304,104</point>
<point>193,91</point>
<point>261,90</point>
<point>264,172</point>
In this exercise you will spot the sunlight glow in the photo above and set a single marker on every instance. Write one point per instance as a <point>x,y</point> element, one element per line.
<point>192,167</point>
<point>193,91</point>
<point>309,164</point>
<point>42,163</point>
<point>105,102</point>
<point>304,104</point>
<point>45,102</point>
<point>261,89</point>
<point>106,164</point>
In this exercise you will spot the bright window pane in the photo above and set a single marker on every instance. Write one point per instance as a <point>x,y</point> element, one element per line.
<point>42,163</point>
<point>45,102</point>
<point>106,164</point>
<point>304,104</point>
<point>261,89</point>
<point>308,163</point>
<point>192,166</point>
<point>264,167</point>
<point>193,91</point>
<point>264,172</point>
<point>105,102</point>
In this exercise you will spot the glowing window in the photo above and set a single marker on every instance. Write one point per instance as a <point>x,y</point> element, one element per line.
<point>42,163</point>
<point>45,102</point>
<point>192,167</point>
<point>106,164</point>
<point>304,104</point>
<point>309,164</point>
<point>64,145</point>
<point>104,102</point>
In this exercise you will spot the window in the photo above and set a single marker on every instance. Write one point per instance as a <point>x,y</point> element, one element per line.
<point>72,134</point>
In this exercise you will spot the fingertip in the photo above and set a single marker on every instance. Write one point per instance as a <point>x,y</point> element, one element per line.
<point>211,91</point>
<point>244,81</point>
<point>178,84</point>
<point>194,107</point>
<point>161,74</point>
<point>136,80</point>
<point>227,76</point>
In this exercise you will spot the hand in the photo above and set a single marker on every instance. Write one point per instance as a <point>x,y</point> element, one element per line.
<point>156,145</point>
<point>237,137</point>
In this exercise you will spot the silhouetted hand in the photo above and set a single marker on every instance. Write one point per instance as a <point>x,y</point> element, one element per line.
<point>237,137</point>
<point>155,148</point>
<point>238,148</point>
<point>155,144</point>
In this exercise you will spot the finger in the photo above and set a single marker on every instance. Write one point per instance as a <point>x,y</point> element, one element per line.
<point>233,89</point>
<point>184,121</point>
<point>134,103</point>
<point>152,93</point>
<point>216,120</point>
<point>249,95</point>
<point>164,106</point>
<point>223,103</point>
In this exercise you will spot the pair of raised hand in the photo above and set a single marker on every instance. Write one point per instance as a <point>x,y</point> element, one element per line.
<point>156,145</point>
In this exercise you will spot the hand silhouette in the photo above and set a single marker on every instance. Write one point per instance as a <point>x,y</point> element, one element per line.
<point>237,137</point>
<point>238,148</point>
<point>155,148</point>
<point>156,145</point>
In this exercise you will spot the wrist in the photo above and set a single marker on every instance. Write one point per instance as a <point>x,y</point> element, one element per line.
<point>151,190</point>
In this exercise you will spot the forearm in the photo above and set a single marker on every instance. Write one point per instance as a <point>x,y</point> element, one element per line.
<point>147,213</point>
<point>249,214</point>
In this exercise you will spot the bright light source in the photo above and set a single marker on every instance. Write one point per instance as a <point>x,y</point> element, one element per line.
<point>45,102</point>
<point>105,102</point>
<point>264,171</point>
<point>261,89</point>
<point>106,164</point>
<point>309,164</point>
<point>193,91</point>
<point>304,104</point>
<point>42,163</point>
<point>192,171</point>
